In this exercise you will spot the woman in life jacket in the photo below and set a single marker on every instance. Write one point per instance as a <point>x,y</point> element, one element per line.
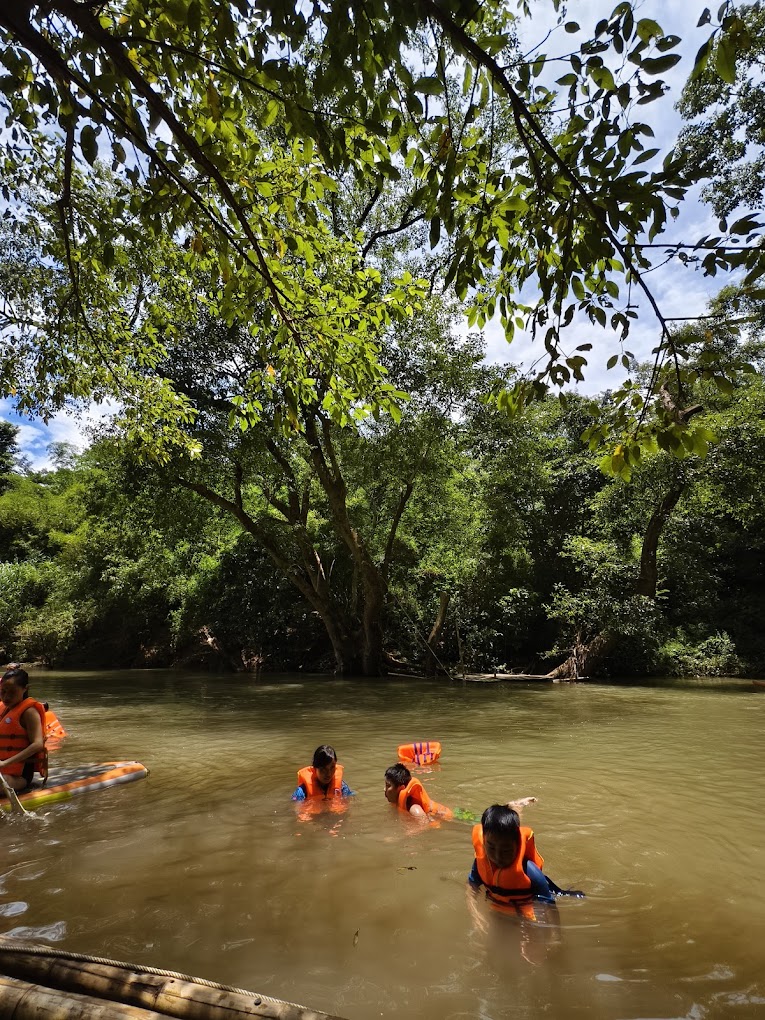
<point>22,731</point>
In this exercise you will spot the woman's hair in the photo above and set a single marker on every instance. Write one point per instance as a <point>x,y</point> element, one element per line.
<point>324,755</point>
<point>398,774</point>
<point>19,676</point>
<point>501,820</point>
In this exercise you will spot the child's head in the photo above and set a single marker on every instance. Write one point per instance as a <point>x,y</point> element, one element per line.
<point>501,834</point>
<point>396,778</point>
<point>324,761</point>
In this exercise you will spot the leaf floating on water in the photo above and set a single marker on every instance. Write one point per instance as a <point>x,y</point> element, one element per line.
<point>408,867</point>
<point>356,937</point>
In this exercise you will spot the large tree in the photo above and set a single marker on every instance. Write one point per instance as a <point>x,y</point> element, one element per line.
<point>326,502</point>
<point>180,97</point>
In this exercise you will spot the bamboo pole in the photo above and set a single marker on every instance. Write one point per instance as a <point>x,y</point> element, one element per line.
<point>169,994</point>
<point>20,1000</point>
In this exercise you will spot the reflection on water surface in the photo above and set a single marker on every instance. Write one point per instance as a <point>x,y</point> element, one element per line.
<point>649,799</point>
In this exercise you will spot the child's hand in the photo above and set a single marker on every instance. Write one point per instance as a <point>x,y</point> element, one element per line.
<point>479,921</point>
<point>516,804</point>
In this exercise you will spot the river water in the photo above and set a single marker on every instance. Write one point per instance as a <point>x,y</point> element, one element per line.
<point>649,799</point>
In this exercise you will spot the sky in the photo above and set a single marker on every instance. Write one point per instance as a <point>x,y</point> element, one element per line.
<point>679,291</point>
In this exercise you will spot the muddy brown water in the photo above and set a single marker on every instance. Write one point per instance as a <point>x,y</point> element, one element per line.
<point>650,799</point>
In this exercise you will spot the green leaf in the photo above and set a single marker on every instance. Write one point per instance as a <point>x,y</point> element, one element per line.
<point>89,143</point>
<point>724,385</point>
<point>429,86</point>
<point>702,58</point>
<point>658,65</point>
<point>648,29</point>
<point>725,60</point>
<point>645,156</point>
<point>745,225</point>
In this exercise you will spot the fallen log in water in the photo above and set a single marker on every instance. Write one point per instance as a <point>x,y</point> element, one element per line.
<point>21,1000</point>
<point>49,983</point>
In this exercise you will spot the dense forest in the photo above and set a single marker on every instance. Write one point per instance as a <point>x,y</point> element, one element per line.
<point>268,237</point>
<point>500,543</point>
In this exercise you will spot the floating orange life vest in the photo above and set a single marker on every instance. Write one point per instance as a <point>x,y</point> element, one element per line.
<point>54,731</point>
<point>307,777</point>
<point>421,752</point>
<point>415,791</point>
<point>14,738</point>
<point>508,887</point>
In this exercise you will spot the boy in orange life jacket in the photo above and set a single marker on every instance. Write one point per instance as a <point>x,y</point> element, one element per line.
<point>410,795</point>
<point>507,863</point>
<point>324,778</point>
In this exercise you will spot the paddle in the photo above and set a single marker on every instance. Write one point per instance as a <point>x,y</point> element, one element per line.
<point>16,806</point>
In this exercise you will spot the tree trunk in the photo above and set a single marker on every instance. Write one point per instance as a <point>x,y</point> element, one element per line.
<point>586,659</point>
<point>646,582</point>
<point>431,661</point>
<point>372,620</point>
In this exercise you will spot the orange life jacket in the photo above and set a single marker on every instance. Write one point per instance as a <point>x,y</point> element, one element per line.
<point>421,752</point>
<point>415,791</point>
<point>14,738</point>
<point>54,731</point>
<point>307,777</point>
<point>508,886</point>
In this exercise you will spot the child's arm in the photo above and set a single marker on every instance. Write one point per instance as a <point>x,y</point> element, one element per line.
<point>472,888</point>
<point>299,793</point>
<point>474,879</point>
<point>519,805</point>
<point>417,812</point>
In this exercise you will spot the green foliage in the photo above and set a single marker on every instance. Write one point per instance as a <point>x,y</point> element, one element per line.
<point>201,153</point>
<point>715,656</point>
<point>723,103</point>
<point>8,451</point>
<point>22,586</point>
<point>47,636</point>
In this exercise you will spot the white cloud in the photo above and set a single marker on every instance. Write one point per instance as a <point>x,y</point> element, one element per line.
<point>35,436</point>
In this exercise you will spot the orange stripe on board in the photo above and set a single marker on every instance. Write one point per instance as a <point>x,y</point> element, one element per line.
<point>119,772</point>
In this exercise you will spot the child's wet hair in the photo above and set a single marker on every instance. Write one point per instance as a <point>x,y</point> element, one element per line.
<point>323,756</point>
<point>501,820</point>
<point>398,774</point>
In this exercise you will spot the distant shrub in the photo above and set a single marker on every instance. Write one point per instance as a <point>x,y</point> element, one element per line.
<point>715,656</point>
<point>47,636</point>
<point>21,587</point>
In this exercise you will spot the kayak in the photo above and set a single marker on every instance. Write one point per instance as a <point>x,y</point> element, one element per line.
<point>67,782</point>
<point>37,981</point>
